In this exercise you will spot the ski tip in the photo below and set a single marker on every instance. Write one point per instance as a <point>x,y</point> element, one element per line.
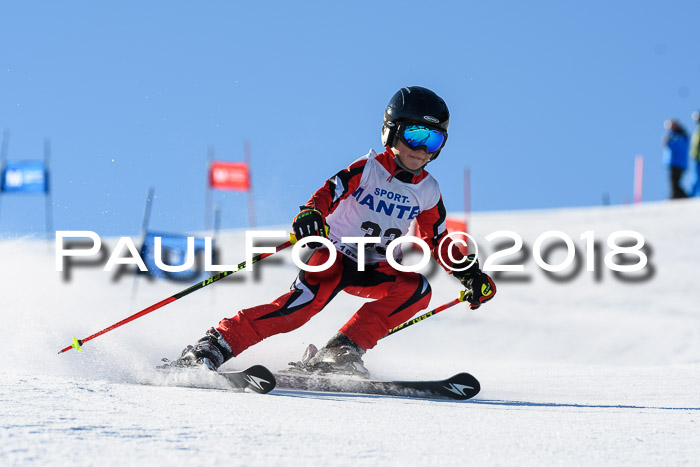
<point>463,385</point>
<point>257,378</point>
<point>260,379</point>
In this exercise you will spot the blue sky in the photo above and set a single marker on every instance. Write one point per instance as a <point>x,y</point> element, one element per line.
<point>550,101</point>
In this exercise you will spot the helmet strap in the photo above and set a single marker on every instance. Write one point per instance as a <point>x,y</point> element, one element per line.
<point>398,162</point>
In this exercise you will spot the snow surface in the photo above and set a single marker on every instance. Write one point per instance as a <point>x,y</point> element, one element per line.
<point>592,370</point>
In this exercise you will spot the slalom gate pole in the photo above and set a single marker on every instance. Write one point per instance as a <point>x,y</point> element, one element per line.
<point>433,312</point>
<point>77,343</point>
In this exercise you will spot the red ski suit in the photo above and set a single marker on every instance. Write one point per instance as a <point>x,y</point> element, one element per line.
<point>373,187</point>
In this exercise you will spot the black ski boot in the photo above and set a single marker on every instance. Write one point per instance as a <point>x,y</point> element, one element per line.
<point>340,356</point>
<point>211,351</point>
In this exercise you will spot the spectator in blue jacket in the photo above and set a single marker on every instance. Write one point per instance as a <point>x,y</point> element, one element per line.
<point>676,155</point>
<point>695,153</point>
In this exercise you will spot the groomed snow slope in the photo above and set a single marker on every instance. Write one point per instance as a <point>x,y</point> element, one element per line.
<point>588,370</point>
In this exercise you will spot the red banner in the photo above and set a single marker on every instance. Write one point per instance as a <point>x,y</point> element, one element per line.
<point>453,224</point>
<point>229,176</point>
<point>457,225</point>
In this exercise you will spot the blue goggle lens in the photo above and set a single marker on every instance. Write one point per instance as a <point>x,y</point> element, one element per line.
<point>418,136</point>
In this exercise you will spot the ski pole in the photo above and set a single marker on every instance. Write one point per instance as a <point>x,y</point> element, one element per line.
<point>462,298</point>
<point>77,343</point>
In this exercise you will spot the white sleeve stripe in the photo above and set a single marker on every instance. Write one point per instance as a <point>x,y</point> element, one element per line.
<point>339,189</point>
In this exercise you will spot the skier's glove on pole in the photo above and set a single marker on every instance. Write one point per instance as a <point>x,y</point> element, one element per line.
<point>482,288</point>
<point>310,222</point>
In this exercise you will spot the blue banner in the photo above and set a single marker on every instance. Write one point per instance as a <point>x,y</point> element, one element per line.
<point>173,253</point>
<point>24,177</point>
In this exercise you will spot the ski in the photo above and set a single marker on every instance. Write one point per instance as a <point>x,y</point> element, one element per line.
<point>257,378</point>
<point>461,386</point>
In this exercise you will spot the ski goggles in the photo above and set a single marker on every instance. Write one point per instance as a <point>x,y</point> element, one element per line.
<point>417,136</point>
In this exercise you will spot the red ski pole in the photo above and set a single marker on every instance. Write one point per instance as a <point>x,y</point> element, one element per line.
<point>77,343</point>
<point>433,312</point>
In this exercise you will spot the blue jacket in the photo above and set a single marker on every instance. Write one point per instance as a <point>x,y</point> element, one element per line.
<point>676,151</point>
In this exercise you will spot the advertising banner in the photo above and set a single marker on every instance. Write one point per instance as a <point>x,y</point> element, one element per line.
<point>173,252</point>
<point>24,177</point>
<point>233,176</point>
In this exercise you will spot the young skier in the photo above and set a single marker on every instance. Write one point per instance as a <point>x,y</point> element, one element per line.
<point>378,195</point>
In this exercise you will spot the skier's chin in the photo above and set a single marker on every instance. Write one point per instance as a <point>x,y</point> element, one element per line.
<point>416,163</point>
<point>412,162</point>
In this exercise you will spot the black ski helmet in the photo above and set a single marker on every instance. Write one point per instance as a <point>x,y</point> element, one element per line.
<point>415,104</point>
